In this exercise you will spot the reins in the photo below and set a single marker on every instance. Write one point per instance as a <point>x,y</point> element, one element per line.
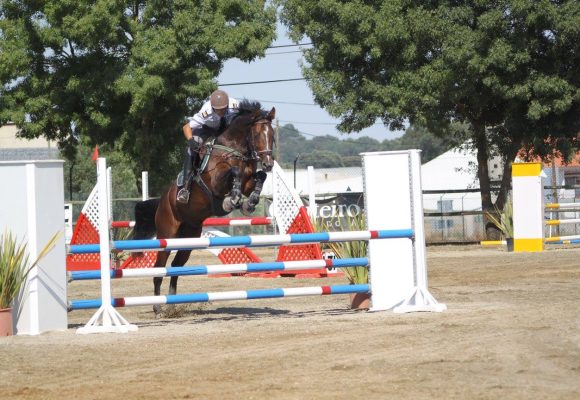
<point>233,153</point>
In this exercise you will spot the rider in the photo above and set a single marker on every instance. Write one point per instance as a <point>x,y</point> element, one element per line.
<point>209,121</point>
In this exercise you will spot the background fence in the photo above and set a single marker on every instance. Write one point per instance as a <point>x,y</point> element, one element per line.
<point>450,216</point>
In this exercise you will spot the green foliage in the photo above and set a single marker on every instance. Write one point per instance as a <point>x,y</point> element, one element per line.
<point>503,219</point>
<point>350,249</point>
<point>15,267</point>
<point>331,152</point>
<point>508,69</point>
<point>82,172</point>
<point>123,73</point>
<point>322,159</point>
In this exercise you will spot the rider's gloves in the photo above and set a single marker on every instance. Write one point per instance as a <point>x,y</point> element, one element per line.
<point>193,145</point>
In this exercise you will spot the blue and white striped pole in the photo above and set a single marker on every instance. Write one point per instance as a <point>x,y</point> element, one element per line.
<point>221,269</point>
<point>243,241</point>
<point>220,296</point>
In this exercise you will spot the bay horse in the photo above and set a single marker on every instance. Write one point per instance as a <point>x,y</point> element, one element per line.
<point>234,166</point>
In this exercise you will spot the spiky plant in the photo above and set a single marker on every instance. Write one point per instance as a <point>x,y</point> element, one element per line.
<point>503,219</point>
<point>349,249</point>
<point>14,265</point>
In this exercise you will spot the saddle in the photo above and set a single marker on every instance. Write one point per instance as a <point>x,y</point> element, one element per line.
<point>205,151</point>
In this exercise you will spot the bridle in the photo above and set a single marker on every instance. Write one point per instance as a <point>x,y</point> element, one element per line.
<point>256,155</point>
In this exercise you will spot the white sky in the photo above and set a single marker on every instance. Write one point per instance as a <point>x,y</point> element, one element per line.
<point>307,117</point>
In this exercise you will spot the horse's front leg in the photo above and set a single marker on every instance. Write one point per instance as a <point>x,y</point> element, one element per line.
<point>233,200</point>
<point>249,205</point>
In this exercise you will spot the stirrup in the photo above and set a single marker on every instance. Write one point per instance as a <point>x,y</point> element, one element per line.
<point>183,196</point>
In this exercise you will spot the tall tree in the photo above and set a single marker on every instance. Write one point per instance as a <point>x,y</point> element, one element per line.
<point>418,137</point>
<point>510,69</point>
<point>121,70</point>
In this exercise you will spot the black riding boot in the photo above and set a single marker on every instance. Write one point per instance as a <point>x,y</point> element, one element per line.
<point>188,164</point>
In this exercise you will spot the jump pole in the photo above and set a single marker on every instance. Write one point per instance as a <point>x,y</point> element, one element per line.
<point>106,319</point>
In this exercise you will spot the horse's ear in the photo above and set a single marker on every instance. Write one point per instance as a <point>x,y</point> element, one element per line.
<point>256,115</point>
<point>272,114</point>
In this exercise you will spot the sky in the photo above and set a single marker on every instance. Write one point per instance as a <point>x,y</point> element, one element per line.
<point>293,100</point>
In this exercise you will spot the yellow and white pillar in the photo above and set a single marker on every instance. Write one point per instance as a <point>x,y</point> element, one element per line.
<point>528,207</point>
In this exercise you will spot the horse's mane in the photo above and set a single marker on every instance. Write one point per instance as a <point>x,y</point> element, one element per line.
<point>249,106</point>
<point>247,112</point>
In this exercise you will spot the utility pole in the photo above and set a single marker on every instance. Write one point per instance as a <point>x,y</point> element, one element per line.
<point>554,188</point>
<point>295,162</point>
<point>277,136</point>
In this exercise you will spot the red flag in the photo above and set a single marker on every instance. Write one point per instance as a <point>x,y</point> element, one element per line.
<point>95,153</point>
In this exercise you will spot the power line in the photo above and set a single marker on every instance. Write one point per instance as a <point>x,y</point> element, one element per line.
<point>287,102</point>
<point>260,82</point>
<point>290,45</point>
<point>319,123</point>
<point>283,52</point>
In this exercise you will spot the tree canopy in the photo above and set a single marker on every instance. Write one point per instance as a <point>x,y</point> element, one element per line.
<point>122,71</point>
<point>509,69</point>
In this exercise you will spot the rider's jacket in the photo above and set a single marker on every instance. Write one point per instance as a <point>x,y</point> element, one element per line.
<point>206,116</point>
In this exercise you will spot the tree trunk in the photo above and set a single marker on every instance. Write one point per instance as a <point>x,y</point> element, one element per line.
<point>481,145</point>
<point>482,168</point>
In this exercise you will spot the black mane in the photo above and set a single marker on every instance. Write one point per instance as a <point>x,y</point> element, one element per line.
<point>249,106</point>
<point>246,113</point>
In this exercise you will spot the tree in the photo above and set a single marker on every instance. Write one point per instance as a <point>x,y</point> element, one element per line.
<point>417,137</point>
<point>322,159</point>
<point>80,175</point>
<point>128,71</point>
<point>291,143</point>
<point>509,69</point>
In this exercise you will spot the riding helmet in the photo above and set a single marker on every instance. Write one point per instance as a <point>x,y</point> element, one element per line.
<point>219,99</point>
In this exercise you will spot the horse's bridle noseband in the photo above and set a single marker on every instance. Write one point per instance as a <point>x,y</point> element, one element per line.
<point>255,155</point>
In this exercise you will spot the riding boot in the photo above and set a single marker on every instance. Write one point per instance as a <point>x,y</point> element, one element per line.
<point>183,191</point>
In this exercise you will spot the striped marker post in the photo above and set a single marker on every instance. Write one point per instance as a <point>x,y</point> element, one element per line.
<point>528,216</point>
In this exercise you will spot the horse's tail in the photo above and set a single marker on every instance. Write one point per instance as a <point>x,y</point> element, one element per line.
<point>145,219</point>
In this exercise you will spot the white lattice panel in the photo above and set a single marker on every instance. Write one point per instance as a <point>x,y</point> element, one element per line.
<point>90,209</point>
<point>287,203</point>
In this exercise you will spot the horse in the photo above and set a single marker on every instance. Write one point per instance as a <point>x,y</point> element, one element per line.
<point>234,166</point>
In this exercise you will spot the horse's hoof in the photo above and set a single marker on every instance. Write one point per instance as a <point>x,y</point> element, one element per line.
<point>157,310</point>
<point>228,205</point>
<point>247,209</point>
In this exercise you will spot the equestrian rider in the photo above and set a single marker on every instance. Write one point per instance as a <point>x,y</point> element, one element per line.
<point>210,120</point>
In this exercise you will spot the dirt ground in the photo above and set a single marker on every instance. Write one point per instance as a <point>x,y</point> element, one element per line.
<point>511,331</point>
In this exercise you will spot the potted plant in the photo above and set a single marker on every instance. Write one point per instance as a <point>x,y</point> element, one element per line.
<point>353,249</point>
<point>14,270</point>
<point>503,221</point>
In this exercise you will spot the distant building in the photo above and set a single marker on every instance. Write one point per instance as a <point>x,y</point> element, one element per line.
<point>14,148</point>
